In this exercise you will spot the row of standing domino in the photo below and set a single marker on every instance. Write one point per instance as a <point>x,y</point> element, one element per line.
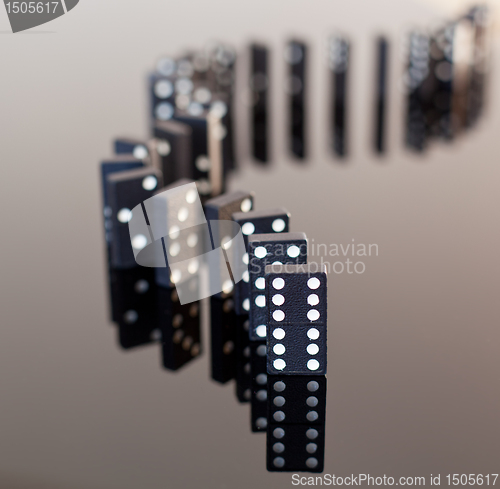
<point>268,331</point>
<point>445,81</point>
<point>193,96</point>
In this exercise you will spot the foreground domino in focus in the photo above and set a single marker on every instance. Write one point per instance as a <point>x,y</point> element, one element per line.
<point>296,364</point>
<point>296,333</point>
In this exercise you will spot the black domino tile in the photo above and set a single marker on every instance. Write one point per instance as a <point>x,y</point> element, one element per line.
<point>173,146</point>
<point>296,296</point>
<point>180,329</point>
<point>133,302</point>
<point>243,388</point>
<point>382,53</point>
<point>285,248</point>
<point>223,338</point>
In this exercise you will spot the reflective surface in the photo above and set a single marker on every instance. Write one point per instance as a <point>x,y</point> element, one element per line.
<point>413,341</point>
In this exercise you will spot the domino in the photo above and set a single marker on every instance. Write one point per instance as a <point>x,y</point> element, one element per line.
<point>258,401</point>
<point>438,113</point>
<point>117,164</point>
<point>417,78</point>
<point>161,89</point>
<point>295,448</point>
<point>125,190</point>
<point>173,146</point>
<point>217,106</point>
<point>223,339</point>
<point>256,222</point>
<point>221,107</point>
<point>221,208</point>
<point>223,60</point>
<point>382,50</point>
<point>243,388</point>
<point>266,249</point>
<point>339,54</point>
<point>133,305</point>
<point>463,62</point>
<point>259,86</point>
<point>132,146</point>
<point>296,57</point>
<point>180,329</point>
<point>297,319</point>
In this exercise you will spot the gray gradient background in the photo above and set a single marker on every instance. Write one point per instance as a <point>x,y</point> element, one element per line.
<point>413,343</point>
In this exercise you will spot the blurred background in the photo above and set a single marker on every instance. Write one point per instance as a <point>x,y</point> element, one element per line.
<point>413,342</point>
